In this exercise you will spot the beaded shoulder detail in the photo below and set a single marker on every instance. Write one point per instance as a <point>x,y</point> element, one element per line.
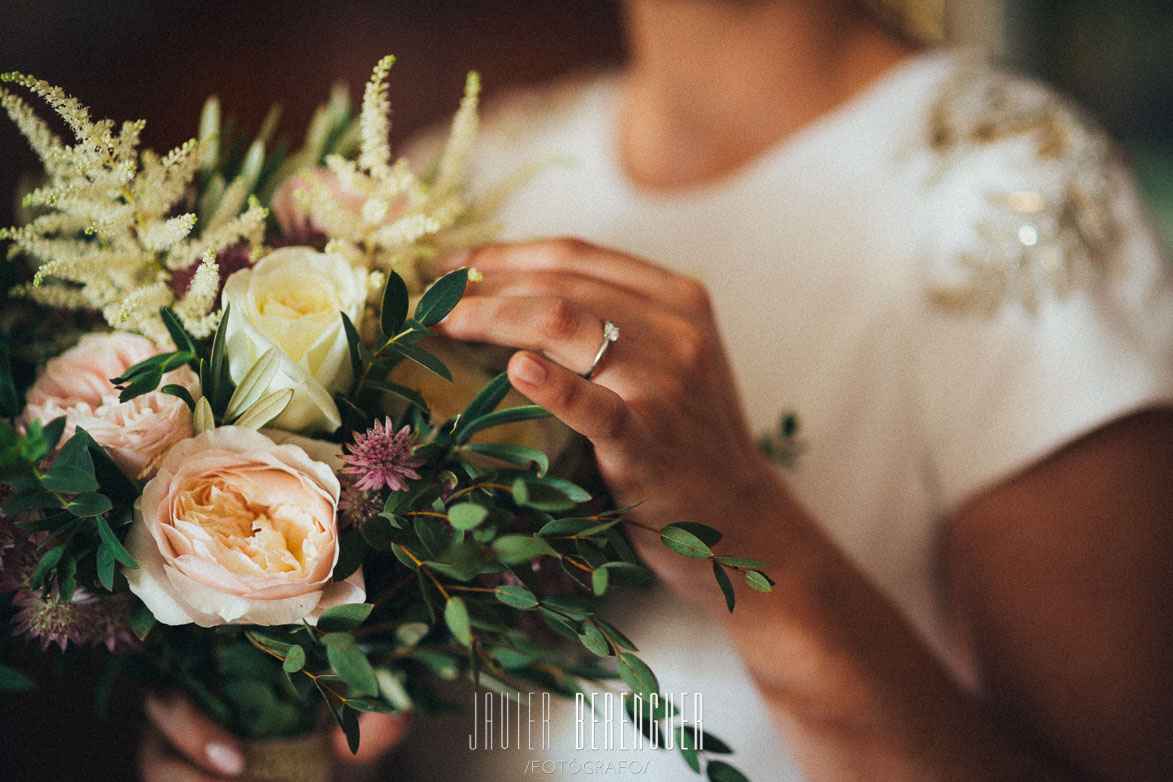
<point>1037,240</point>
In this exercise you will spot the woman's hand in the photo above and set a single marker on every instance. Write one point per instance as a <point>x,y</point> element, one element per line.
<point>181,744</point>
<point>661,408</point>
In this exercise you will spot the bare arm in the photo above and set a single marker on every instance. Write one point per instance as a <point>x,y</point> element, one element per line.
<point>848,680</point>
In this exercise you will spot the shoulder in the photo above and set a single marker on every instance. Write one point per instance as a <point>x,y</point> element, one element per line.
<point>1029,198</point>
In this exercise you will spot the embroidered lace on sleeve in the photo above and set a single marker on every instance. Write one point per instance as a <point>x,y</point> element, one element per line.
<point>1053,226</point>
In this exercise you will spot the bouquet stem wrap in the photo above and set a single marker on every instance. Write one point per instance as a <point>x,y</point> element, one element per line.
<point>299,759</point>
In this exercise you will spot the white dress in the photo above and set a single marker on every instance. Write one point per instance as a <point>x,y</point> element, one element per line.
<point>946,279</point>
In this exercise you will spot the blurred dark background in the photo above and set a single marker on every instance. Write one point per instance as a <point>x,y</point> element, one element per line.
<point>159,59</point>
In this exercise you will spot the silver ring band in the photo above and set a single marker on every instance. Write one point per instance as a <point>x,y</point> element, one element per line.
<point>610,334</point>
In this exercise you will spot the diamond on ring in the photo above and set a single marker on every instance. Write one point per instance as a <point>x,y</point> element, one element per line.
<point>610,334</point>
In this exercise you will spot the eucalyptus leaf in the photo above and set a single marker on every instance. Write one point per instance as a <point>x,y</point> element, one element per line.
<point>516,597</point>
<point>720,771</point>
<point>351,665</point>
<point>511,415</point>
<point>707,534</point>
<point>344,617</point>
<point>742,562</point>
<point>456,617</point>
<point>467,515</point>
<point>594,641</point>
<point>726,586</point>
<point>758,581</point>
<point>684,542</point>
<point>637,675</point>
<point>599,581</point>
<point>512,549</point>
<point>294,659</point>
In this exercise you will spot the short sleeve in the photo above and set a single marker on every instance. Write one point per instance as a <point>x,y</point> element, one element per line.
<point>1049,310</point>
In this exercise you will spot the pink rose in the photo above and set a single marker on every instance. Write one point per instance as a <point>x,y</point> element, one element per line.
<point>235,528</point>
<point>77,385</point>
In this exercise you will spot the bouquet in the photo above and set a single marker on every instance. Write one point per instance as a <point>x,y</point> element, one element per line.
<point>243,465</point>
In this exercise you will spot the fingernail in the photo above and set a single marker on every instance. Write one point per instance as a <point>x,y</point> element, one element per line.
<point>530,370</point>
<point>224,757</point>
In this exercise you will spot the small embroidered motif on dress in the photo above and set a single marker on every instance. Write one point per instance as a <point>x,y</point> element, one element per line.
<point>1039,241</point>
<point>783,446</point>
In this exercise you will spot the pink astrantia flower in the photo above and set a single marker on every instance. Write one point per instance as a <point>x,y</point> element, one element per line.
<point>51,619</point>
<point>382,457</point>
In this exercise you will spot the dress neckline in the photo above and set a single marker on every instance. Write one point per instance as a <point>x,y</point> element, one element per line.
<point>605,104</point>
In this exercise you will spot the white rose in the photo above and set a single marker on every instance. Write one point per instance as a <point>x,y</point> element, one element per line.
<point>292,300</point>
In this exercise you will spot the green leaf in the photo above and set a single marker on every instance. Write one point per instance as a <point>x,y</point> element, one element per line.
<point>350,728</point>
<point>742,562</point>
<point>593,640</point>
<point>708,535</point>
<point>467,515</point>
<point>516,597</point>
<point>183,341</point>
<point>710,743</point>
<point>350,663</point>
<point>89,504</point>
<point>110,541</point>
<point>403,392</point>
<point>616,637</point>
<point>181,392</point>
<point>456,617</point>
<point>483,403</point>
<point>726,586</point>
<point>371,705</point>
<point>684,542</point>
<point>637,675</point>
<point>352,342</point>
<point>720,771</point>
<point>105,565</point>
<point>512,549</point>
<point>10,403</point>
<point>511,415</point>
<point>351,551</point>
<point>543,496</point>
<point>599,581</point>
<point>216,383</point>
<point>344,617</point>
<point>73,469</point>
<point>294,659</point>
<point>46,565</point>
<point>461,560</point>
<point>32,497</point>
<point>12,680</point>
<point>141,621</point>
<point>758,581</point>
<point>394,309</point>
<point>439,299</point>
<point>684,742</point>
<point>513,453</point>
<point>628,574</point>
<point>421,357</point>
<point>559,624</point>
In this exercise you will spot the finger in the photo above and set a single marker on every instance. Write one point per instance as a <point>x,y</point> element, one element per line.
<point>576,256</point>
<point>592,410</point>
<point>380,733</point>
<point>158,763</point>
<point>195,736</point>
<point>603,298</point>
<point>562,331</point>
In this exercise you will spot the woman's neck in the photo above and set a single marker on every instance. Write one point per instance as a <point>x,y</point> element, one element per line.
<point>712,84</point>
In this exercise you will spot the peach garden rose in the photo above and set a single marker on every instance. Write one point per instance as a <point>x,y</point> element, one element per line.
<point>235,528</point>
<point>77,385</point>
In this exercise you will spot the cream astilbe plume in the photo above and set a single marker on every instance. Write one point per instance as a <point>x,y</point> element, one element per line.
<point>404,219</point>
<point>111,233</point>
